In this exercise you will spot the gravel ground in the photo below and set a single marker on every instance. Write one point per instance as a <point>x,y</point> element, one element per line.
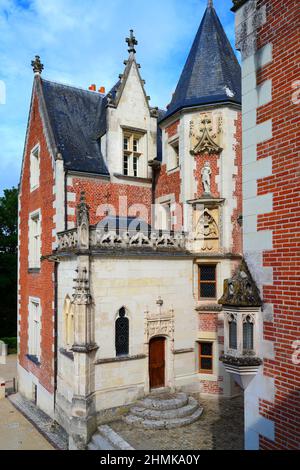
<point>221,427</point>
<point>44,424</point>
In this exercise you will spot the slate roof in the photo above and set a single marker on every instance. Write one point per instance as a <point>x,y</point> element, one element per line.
<point>78,120</point>
<point>75,121</point>
<point>212,73</point>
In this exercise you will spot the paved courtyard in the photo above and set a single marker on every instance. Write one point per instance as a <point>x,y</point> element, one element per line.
<point>219,428</point>
<point>16,433</point>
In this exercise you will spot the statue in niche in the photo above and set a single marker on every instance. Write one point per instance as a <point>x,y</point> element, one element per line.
<point>206,178</point>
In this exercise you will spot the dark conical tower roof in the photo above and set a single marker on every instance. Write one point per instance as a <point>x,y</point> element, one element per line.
<point>212,73</point>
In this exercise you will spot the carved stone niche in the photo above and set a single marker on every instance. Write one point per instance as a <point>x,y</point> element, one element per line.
<point>159,324</point>
<point>206,230</point>
<point>205,134</point>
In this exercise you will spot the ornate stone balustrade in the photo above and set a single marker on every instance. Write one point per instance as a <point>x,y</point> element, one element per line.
<point>99,238</point>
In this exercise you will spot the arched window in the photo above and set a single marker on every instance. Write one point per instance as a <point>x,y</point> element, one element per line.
<point>122,333</point>
<point>68,323</point>
<point>248,334</point>
<point>232,332</point>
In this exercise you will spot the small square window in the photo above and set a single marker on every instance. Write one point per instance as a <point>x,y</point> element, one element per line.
<point>206,358</point>
<point>207,281</point>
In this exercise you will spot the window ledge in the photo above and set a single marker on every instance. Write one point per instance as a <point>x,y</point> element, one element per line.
<point>173,170</point>
<point>208,307</point>
<point>34,270</point>
<point>137,179</point>
<point>184,351</point>
<point>33,359</point>
<point>120,359</point>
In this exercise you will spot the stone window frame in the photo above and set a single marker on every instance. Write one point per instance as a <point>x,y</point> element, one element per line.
<point>131,154</point>
<point>212,357</point>
<point>173,156</point>
<point>35,167</point>
<point>34,328</point>
<point>34,239</point>
<point>199,265</point>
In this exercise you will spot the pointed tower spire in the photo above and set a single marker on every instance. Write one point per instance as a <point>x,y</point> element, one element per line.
<point>132,42</point>
<point>212,73</point>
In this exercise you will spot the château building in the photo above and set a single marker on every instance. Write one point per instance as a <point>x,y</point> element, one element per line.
<point>131,269</point>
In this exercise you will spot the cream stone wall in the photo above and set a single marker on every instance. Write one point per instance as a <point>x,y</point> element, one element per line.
<point>136,284</point>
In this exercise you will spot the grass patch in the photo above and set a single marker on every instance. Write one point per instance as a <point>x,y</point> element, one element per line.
<point>12,344</point>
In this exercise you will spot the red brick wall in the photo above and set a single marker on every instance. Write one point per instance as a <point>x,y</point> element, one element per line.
<point>281,30</point>
<point>100,192</point>
<point>167,184</point>
<point>172,129</point>
<point>208,322</point>
<point>40,284</point>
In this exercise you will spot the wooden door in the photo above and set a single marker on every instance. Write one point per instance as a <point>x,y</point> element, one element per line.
<point>157,362</point>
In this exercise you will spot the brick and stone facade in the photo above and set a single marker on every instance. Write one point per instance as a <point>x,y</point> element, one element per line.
<point>268,37</point>
<point>117,158</point>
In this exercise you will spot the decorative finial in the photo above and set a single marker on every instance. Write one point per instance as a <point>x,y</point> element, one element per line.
<point>210,4</point>
<point>131,41</point>
<point>37,65</point>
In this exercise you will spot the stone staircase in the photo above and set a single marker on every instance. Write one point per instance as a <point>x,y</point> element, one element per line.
<point>107,439</point>
<point>164,411</point>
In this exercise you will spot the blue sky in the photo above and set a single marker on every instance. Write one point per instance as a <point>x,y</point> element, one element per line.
<point>82,42</point>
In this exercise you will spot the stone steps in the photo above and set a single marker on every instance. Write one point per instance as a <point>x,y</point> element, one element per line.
<point>155,414</point>
<point>164,411</point>
<point>107,439</point>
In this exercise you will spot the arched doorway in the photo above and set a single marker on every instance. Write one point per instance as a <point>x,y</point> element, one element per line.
<point>157,348</point>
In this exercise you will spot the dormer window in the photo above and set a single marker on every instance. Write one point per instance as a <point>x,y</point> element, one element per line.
<point>132,154</point>
<point>35,168</point>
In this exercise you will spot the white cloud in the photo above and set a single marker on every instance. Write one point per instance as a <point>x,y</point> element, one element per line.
<point>83,42</point>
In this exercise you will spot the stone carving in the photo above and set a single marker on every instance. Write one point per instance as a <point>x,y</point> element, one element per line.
<point>241,290</point>
<point>161,324</point>
<point>67,240</point>
<point>37,65</point>
<point>82,295</point>
<point>83,223</point>
<point>206,178</point>
<point>100,238</point>
<point>207,230</point>
<point>203,140</point>
<point>132,42</point>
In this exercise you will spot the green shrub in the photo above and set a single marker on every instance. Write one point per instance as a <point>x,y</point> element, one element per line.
<point>12,344</point>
